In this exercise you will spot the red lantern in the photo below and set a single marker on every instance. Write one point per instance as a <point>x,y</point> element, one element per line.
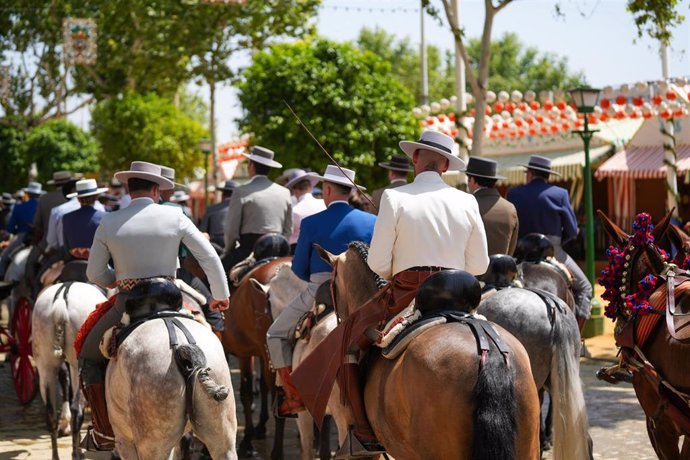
<point>522,133</point>
<point>592,119</point>
<point>512,134</point>
<point>548,105</point>
<point>678,113</point>
<point>666,114</point>
<point>532,131</point>
<point>488,110</point>
<point>621,100</point>
<point>499,106</point>
<point>494,128</point>
<point>472,112</point>
<point>578,123</point>
<point>671,96</point>
<point>554,129</point>
<point>604,116</point>
<point>565,126</point>
<point>451,116</point>
<point>619,115</point>
<point>633,115</point>
<point>638,101</point>
<point>656,100</point>
<point>492,136</point>
<point>505,124</point>
<point>501,135</point>
<point>534,105</point>
<point>522,106</point>
<point>646,115</point>
<point>544,129</point>
<point>454,133</point>
<point>529,120</point>
<point>561,105</point>
<point>519,122</point>
<point>510,107</point>
<point>540,119</point>
<point>441,118</point>
<point>605,104</point>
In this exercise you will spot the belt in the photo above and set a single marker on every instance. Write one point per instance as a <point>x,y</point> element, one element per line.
<point>127,284</point>
<point>426,269</point>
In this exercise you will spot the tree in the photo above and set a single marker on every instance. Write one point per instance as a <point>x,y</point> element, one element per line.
<point>15,170</point>
<point>148,128</point>
<point>656,18</point>
<point>349,100</point>
<point>59,145</point>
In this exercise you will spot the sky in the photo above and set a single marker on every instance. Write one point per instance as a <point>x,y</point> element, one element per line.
<point>598,37</point>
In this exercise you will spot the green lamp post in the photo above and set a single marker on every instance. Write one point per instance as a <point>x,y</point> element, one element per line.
<point>205,146</point>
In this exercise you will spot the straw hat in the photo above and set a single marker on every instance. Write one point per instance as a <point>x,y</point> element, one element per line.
<point>436,142</point>
<point>179,196</point>
<point>34,188</point>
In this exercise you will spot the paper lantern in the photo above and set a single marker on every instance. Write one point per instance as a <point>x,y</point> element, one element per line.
<point>487,110</point>
<point>417,112</point>
<point>503,96</point>
<point>621,100</point>
<point>561,105</point>
<point>522,106</point>
<point>451,116</point>
<point>510,106</point>
<point>591,119</point>
<point>671,96</point>
<point>624,89</point>
<point>516,96</point>
<point>641,86</point>
<point>604,116</point>
<point>490,97</point>
<point>605,104</point>
<point>548,105</point>
<point>534,105</point>
<point>445,103</point>
<point>441,118</point>
<point>499,106</point>
<point>435,107</point>
<point>530,96</point>
<point>532,131</point>
<point>505,114</point>
<point>657,100</point>
<point>638,101</point>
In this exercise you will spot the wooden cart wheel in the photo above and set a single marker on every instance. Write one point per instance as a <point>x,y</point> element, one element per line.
<point>24,373</point>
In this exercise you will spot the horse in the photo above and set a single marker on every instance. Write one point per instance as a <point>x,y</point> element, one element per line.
<point>157,390</point>
<point>246,324</point>
<point>661,365</point>
<point>282,289</point>
<point>59,312</point>
<point>479,414</point>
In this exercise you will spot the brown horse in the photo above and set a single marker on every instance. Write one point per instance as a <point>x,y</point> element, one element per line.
<point>669,357</point>
<point>246,323</point>
<point>433,401</point>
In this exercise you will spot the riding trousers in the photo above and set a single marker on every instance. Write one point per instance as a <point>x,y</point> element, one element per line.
<point>581,286</point>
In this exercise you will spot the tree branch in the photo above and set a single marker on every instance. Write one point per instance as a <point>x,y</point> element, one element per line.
<point>457,34</point>
<point>501,5</point>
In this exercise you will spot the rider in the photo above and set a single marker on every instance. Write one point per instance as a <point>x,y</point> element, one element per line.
<point>20,223</point>
<point>301,184</point>
<point>142,240</point>
<point>214,217</point>
<point>422,228</point>
<point>398,168</point>
<point>333,229</point>
<point>79,226</point>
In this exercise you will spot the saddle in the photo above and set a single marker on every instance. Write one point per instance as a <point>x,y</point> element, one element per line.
<point>74,270</point>
<point>323,306</point>
<point>266,248</point>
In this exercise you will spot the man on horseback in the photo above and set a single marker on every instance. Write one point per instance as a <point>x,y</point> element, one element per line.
<point>332,229</point>
<point>422,228</point>
<point>143,241</point>
<point>20,223</point>
<point>256,208</point>
<point>545,208</point>
<point>214,218</point>
<point>301,184</point>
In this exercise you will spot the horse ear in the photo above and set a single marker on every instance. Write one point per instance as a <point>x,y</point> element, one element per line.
<point>679,239</point>
<point>325,255</point>
<point>655,260</point>
<point>661,227</point>
<point>256,284</point>
<point>614,231</point>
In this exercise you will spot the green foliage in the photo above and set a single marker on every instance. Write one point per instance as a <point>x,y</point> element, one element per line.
<point>60,145</point>
<point>349,100</point>
<point>656,18</point>
<point>15,170</point>
<point>148,128</point>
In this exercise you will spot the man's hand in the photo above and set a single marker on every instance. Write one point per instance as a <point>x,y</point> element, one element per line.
<point>219,305</point>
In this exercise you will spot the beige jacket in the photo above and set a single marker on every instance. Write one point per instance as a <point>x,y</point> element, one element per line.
<point>143,240</point>
<point>500,221</point>
<point>428,223</point>
<point>259,206</point>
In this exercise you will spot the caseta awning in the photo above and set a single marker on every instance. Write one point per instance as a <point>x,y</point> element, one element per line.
<point>569,163</point>
<point>643,163</point>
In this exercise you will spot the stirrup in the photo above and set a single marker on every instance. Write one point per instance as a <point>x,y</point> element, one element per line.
<point>281,398</point>
<point>90,444</point>
<point>614,375</point>
<point>354,448</point>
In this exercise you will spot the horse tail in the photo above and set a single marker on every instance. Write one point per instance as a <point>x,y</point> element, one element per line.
<point>570,425</point>
<point>495,416</point>
<point>60,317</point>
<point>191,361</point>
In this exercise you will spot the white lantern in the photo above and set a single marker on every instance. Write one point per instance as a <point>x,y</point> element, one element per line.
<point>445,103</point>
<point>516,96</point>
<point>435,107</point>
<point>490,97</point>
<point>624,90</point>
<point>503,96</point>
<point>641,86</point>
<point>608,92</point>
<point>530,95</point>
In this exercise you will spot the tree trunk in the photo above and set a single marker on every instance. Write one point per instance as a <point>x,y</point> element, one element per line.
<point>482,82</point>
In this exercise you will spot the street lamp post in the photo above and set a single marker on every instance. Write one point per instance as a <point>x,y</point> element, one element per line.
<point>206,146</point>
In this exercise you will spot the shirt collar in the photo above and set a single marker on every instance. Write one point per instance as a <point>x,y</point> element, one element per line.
<point>306,196</point>
<point>428,176</point>
<point>395,181</point>
<point>338,201</point>
<point>143,199</point>
<point>257,176</point>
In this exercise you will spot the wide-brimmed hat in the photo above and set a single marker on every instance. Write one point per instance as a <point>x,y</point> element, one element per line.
<point>146,171</point>
<point>398,163</point>
<point>335,175</point>
<point>7,198</point>
<point>34,188</point>
<point>62,177</point>
<point>482,167</point>
<point>540,163</point>
<point>229,186</point>
<point>169,173</point>
<point>87,187</point>
<point>264,156</point>
<point>299,175</point>
<point>179,196</point>
<point>436,142</point>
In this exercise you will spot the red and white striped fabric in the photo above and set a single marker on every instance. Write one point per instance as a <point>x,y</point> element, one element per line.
<point>643,163</point>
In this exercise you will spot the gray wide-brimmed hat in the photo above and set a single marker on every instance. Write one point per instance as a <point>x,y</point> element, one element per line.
<point>34,188</point>
<point>482,167</point>
<point>228,186</point>
<point>87,187</point>
<point>7,198</point>
<point>62,177</point>
<point>436,142</point>
<point>299,175</point>
<point>398,163</point>
<point>179,196</point>
<point>146,171</point>
<point>540,163</point>
<point>169,173</point>
<point>264,156</point>
<point>334,174</point>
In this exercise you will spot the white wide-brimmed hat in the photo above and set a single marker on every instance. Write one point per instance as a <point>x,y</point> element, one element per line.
<point>334,174</point>
<point>169,173</point>
<point>87,187</point>
<point>540,163</point>
<point>146,171</point>
<point>34,188</point>
<point>7,198</point>
<point>62,177</point>
<point>436,142</point>
<point>179,196</point>
<point>299,175</point>
<point>264,156</point>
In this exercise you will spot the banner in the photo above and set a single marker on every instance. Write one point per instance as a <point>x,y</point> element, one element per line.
<point>79,40</point>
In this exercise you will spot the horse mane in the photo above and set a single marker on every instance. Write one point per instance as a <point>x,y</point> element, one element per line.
<point>362,250</point>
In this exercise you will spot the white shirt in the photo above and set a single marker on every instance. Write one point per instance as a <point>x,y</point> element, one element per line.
<point>306,206</point>
<point>428,223</point>
<point>55,237</point>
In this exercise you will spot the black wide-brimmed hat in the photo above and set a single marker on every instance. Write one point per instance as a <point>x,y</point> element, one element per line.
<point>398,163</point>
<point>539,163</point>
<point>482,167</point>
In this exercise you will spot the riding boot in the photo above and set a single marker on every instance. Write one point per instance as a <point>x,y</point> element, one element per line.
<point>361,440</point>
<point>291,402</point>
<point>100,435</point>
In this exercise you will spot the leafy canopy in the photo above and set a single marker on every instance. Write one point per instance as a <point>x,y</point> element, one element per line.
<point>349,100</point>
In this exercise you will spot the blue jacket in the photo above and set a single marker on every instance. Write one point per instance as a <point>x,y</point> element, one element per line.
<point>80,226</point>
<point>544,208</point>
<point>333,229</point>
<point>22,216</point>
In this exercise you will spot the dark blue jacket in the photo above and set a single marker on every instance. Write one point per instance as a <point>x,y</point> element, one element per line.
<point>333,229</point>
<point>22,216</point>
<point>544,208</point>
<point>80,226</point>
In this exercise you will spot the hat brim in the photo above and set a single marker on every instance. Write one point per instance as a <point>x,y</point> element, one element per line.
<point>179,199</point>
<point>64,181</point>
<point>98,191</point>
<point>163,183</point>
<point>409,147</point>
<point>339,181</point>
<point>262,160</point>
<point>311,177</point>
<point>33,192</point>
<point>388,165</point>
<point>536,168</point>
<point>468,173</point>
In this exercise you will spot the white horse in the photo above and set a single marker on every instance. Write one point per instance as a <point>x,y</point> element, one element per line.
<point>283,288</point>
<point>155,394</point>
<point>16,274</point>
<point>59,312</point>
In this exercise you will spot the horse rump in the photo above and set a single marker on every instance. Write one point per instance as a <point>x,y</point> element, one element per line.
<point>495,416</point>
<point>191,362</point>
